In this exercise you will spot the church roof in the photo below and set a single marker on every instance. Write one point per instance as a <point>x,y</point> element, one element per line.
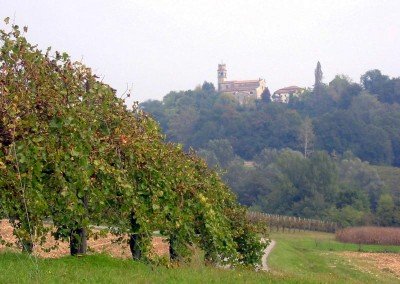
<point>241,86</point>
<point>241,81</point>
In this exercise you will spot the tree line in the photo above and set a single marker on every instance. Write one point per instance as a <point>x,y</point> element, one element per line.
<point>340,189</point>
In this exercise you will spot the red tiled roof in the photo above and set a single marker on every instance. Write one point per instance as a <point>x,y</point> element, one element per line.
<point>291,89</point>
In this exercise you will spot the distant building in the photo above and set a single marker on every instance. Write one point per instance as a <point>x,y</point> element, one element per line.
<point>249,164</point>
<point>242,90</point>
<point>283,95</point>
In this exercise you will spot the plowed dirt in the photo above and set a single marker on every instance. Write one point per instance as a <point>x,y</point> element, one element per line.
<point>386,262</point>
<point>105,244</point>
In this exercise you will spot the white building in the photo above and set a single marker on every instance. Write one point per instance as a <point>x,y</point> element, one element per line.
<point>243,90</point>
<point>283,95</point>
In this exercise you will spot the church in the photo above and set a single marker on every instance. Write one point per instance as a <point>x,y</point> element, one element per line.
<point>244,90</point>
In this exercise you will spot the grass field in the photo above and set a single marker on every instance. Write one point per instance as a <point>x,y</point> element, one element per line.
<point>305,257</point>
<point>317,258</point>
<point>16,268</point>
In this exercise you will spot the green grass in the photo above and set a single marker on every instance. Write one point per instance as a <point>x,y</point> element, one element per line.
<point>305,257</point>
<point>313,257</point>
<point>18,268</point>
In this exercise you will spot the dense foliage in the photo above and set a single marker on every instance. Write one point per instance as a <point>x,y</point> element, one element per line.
<point>72,153</point>
<point>306,155</point>
<point>342,189</point>
<point>346,116</point>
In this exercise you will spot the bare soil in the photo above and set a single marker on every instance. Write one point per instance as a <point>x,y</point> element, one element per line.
<point>385,262</point>
<point>105,244</point>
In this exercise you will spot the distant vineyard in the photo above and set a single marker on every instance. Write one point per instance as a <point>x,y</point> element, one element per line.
<point>289,223</point>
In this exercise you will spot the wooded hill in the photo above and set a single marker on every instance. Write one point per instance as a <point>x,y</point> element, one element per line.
<point>338,129</point>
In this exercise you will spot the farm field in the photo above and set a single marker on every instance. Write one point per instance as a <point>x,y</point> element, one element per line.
<point>301,257</point>
<point>317,258</point>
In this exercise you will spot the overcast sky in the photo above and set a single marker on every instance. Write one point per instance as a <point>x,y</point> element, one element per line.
<point>159,46</point>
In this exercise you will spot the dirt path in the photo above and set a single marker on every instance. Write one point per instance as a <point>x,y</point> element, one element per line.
<point>267,251</point>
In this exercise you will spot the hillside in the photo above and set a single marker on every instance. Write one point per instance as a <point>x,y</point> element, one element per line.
<point>312,156</point>
<point>343,116</point>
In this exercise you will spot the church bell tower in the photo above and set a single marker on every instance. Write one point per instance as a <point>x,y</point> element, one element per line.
<point>221,75</point>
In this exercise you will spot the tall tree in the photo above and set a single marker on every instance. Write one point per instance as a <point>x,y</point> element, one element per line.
<point>318,79</point>
<point>306,136</point>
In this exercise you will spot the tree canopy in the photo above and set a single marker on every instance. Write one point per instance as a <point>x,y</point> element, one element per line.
<point>343,119</point>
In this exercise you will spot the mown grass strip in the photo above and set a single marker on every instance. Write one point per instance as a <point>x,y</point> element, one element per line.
<point>16,268</point>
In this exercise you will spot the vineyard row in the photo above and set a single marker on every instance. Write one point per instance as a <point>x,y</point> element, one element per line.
<point>290,223</point>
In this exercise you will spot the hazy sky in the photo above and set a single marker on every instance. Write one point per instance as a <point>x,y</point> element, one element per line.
<point>159,46</point>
